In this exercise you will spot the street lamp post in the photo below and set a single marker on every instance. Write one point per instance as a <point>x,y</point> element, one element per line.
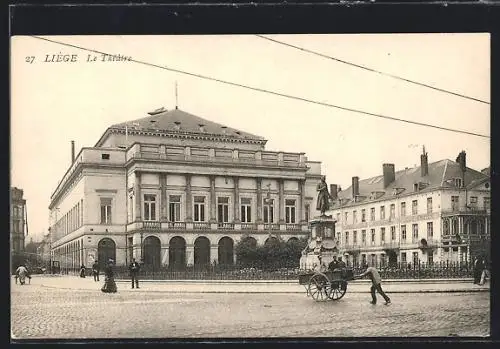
<point>142,259</point>
<point>268,202</point>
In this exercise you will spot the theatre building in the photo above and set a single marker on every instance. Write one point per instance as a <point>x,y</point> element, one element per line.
<point>435,212</point>
<point>173,189</point>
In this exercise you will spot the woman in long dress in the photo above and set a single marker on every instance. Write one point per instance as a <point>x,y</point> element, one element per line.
<point>109,281</point>
<point>82,271</point>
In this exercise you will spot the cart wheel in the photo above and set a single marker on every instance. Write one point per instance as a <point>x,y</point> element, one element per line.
<point>338,290</point>
<point>319,287</point>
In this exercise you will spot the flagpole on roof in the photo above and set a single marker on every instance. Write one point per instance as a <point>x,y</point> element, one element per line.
<point>176,96</point>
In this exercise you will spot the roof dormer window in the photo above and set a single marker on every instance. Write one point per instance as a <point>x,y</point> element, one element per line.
<point>202,127</point>
<point>177,125</point>
<point>457,182</point>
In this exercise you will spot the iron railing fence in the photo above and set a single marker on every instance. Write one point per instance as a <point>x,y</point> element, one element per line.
<point>441,270</point>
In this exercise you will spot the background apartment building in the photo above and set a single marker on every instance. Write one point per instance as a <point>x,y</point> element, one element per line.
<point>175,189</point>
<point>17,225</point>
<point>436,212</point>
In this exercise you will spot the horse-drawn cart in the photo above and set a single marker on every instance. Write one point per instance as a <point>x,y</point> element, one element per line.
<point>322,286</point>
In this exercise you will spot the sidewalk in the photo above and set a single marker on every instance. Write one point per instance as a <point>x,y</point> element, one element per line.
<point>257,286</point>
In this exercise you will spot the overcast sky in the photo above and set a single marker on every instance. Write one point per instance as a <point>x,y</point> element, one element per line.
<point>54,103</point>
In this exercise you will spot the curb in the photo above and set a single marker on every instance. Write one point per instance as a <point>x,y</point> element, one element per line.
<point>274,292</point>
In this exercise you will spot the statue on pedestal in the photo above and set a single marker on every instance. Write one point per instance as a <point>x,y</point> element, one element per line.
<point>323,202</point>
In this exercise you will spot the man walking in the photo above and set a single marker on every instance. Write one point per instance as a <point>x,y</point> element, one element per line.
<point>134,268</point>
<point>95,270</point>
<point>376,284</point>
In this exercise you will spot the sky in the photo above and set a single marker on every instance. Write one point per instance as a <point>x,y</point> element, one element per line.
<point>53,103</point>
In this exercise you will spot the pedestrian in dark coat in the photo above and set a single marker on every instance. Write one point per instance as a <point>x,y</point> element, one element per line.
<point>82,271</point>
<point>478,270</point>
<point>109,280</point>
<point>95,270</point>
<point>376,284</point>
<point>134,269</point>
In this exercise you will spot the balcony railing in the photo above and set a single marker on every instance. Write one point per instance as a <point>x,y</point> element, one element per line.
<point>293,227</point>
<point>248,226</point>
<point>273,226</point>
<point>390,245</point>
<point>154,225</point>
<point>225,225</point>
<point>176,225</point>
<point>474,210</point>
<point>201,225</point>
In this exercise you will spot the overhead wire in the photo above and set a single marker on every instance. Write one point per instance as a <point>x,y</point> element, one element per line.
<point>371,69</point>
<point>303,99</point>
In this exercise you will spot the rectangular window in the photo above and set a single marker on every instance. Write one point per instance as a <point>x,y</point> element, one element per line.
<point>174,208</point>
<point>363,215</point>
<point>382,213</point>
<point>355,237</point>
<point>268,210</point>
<point>430,258</point>
<point>393,210</point>
<point>373,236</point>
<point>382,235</point>
<point>246,210</point>
<point>403,232</point>
<point>414,230</point>
<point>393,233</point>
<point>486,203</point>
<point>414,207</point>
<point>383,260</point>
<point>363,237</point>
<point>429,205</point>
<point>290,211</point>
<point>454,203</point>
<point>363,258</point>
<point>346,216</point>
<point>307,209</point>
<point>149,207</point>
<point>355,216</point>
<point>222,209</point>
<point>199,209</point>
<point>403,209</point>
<point>415,258</point>
<point>430,230</point>
<point>473,201</point>
<point>338,217</point>
<point>403,257</point>
<point>105,211</point>
<point>347,238</point>
<point>372,214</point>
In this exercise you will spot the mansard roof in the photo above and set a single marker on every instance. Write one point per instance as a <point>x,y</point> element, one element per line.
<point>177,121</point>
<point>441,174</point>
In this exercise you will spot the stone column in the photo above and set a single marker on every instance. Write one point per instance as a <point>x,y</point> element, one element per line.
<point>236,200</point>
<point>163,197</point>
<point>214,253</point>
<point>259,200</point>
<point>190,254</point>
<point>138,198</point>
<point>301,208</point>
<point>189,199</point>
<point>281,208</point>
<point>213,201</point>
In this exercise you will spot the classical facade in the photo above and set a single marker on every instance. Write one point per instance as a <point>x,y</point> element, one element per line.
<point>435,212</point>
<point>17,220</point>
<point>173,189</point>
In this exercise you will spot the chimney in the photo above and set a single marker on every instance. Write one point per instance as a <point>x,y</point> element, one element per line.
<point>462,161</point>
<point>355,187</point>
<point>389,174</point>
<point>333,191</point>
<point>72,152</point>
<point>424,164</point>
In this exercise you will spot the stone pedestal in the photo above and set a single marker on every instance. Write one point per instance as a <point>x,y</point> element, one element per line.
<point>322,246</point>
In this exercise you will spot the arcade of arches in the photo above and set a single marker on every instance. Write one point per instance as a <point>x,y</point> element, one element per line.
<point>204,253</point>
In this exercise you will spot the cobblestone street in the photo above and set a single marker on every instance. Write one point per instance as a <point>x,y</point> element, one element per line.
<point>43,312</point>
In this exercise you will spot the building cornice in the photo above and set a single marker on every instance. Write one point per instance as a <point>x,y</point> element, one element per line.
<point>179,135</point>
